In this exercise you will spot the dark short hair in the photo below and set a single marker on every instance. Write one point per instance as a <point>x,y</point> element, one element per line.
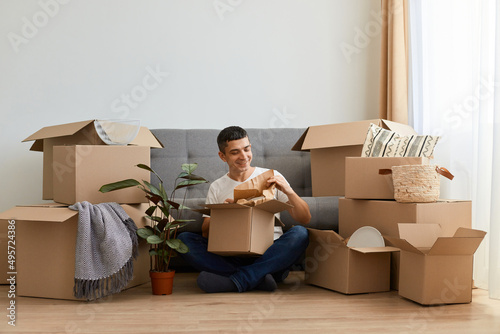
<point>228,134</point>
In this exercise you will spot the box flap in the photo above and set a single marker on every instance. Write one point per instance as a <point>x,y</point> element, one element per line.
<point>146,138</point>
<point>273,206</point>
<point>325,236</point>
<point>367,250</point>
<point>420,235</point>
<point>468,232</point>
<point>402,244</point>
<point>43,214</point>
<point>226,206</point>
<point>402,129</point>
<point>455,246</point>
<point>58,130</point>
<point>298,145</point>
<point>202,211</point>
<point>335,135</point>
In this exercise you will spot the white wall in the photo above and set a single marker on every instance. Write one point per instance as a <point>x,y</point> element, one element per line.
<point>254,63</point>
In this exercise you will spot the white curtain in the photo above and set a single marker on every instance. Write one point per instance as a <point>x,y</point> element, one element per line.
<point>454,92</point>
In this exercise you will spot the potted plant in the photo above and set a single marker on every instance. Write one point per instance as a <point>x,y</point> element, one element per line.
<point>165,218</point>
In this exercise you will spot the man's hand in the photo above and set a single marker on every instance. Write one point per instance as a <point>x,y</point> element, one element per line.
<point>300,211</point>
<point>281,184</point>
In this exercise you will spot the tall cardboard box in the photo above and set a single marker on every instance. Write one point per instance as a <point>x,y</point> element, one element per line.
<point>331,264</point>
<point>331,144</point>
<point>79,171</point>
<point>78,133</point>
<point>45,249</point>
<point>362,178</point>
<point>237,229</point>
<point>436,270</point>
<point>385,215</point>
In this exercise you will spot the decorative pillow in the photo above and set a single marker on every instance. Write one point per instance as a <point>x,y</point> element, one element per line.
<point>380,142</point>
<point>416,146</point>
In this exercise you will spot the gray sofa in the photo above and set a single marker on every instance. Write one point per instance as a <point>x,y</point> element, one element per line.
<point>271,148</point>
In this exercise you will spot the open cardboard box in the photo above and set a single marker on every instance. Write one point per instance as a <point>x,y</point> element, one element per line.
<point>331,264</point>
<point>385,215</point>
<point>78,133</point>
<point>45,249</point>
<point>436,270</point>
<point>331,144</point>
<point>245,227</point>
<point>79,171</point>
<point>238,229</point>
<point>362,178</point>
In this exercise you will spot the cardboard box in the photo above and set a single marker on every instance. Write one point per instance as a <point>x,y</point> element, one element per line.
<point>331,264</point>
<point>436,270</point>
<point>4,248</point>
<point>237,229</point>
<point>362,178</point>
<point>385,215</point>
<point>45,249</point>
<point>78,133</point>
<point>79,171</point>
<point>330,144</point>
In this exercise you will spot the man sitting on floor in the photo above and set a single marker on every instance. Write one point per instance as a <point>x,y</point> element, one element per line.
<point>232,273</point>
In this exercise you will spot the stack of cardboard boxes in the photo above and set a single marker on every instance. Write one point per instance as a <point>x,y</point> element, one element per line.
<point>429,267</point>
<point>76,163</point>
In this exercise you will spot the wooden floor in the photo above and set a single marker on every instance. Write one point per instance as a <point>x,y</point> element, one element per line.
<point>293,308</point>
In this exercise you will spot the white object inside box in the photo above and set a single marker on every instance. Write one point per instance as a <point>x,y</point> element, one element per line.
<point>117,131</point>
<point>366,236</point>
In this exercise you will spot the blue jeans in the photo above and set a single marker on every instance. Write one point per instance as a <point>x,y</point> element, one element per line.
<point>247,272</point>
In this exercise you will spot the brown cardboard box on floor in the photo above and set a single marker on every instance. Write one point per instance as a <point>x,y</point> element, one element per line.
<point>362,178</point>
<point>331,264</point>
<point>385,215</point>
<point>330,144</point>
<point>78,133</point>
<point>79,171</point>
<point>436,270</point>
<point>45,249</point>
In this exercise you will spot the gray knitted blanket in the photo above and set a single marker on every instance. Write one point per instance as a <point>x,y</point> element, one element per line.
<point>106,244</point>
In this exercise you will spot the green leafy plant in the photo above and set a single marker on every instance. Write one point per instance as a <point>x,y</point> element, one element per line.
<point>161,234</point>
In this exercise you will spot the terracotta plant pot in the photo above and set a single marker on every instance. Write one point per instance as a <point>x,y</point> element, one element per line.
<point>162,282</point>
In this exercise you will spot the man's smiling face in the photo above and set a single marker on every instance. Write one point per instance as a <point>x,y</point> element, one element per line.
<point>238,155</point>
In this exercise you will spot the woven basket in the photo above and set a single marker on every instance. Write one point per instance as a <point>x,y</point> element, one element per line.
<point>417,183</point>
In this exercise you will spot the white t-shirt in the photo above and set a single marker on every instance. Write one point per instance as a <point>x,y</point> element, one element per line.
<point>223,188</point>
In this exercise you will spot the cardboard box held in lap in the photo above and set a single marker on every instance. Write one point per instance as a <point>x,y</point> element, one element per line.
<point>245,227</point>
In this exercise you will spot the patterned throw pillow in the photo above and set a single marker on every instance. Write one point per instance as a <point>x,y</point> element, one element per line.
<point>380,142</point>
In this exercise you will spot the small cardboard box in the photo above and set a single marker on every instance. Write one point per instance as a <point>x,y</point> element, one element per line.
<point>436,270</point>
<point>331,264</point>
<point>362,178</point>
<point>79,171</point>
<point>78,133</point>
<point>237,229</point>
<point>330,144</point>
<point>45,249</point>
<point>385,215</point>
